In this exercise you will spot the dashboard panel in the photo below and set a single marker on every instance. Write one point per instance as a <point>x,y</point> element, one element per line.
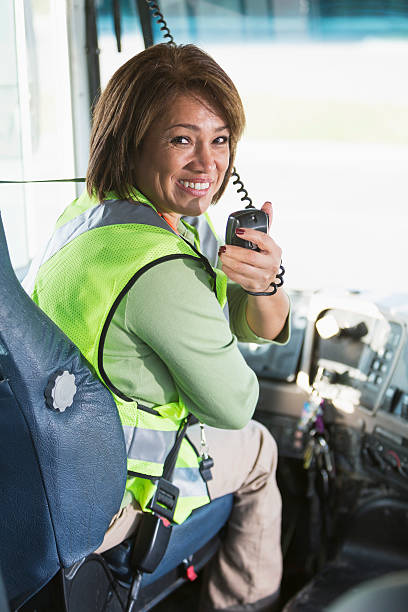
<point>356,359</point>
<point>353,356</point>
<point>352,351</point>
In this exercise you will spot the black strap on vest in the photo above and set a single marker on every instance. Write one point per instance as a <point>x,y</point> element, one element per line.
<point>206,263</point>
<point>154,533</point>
<point>170,462</point>
<point>165,498</point>
<point>147,409</point>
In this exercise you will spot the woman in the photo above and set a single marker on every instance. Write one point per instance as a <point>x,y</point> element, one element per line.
<point>125,279</point>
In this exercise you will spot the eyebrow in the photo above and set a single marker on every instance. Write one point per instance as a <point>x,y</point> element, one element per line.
<point>195,128</point>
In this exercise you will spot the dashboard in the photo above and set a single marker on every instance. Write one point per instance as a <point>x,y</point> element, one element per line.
<point>356,359</point>
<point>350,350</point>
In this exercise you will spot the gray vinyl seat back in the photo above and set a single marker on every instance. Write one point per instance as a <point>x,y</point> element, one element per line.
<point>62,449</point>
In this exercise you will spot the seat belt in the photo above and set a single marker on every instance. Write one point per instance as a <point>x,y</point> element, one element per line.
<point>166,495</point>
<point>154,533</point>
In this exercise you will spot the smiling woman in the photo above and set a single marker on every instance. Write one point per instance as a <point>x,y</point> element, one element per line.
<point>183,159</point>
<point>132,277</point>
<point>149,84</point>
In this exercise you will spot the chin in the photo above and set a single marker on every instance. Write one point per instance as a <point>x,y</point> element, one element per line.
<point>201,209</point>
<point>196,208</point>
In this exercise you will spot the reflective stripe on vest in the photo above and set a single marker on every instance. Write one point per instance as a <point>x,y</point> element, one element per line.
<point>143,446</point>
<point>189,481</point>
<point>209,243</point>
<point>110,212</point>
<point>149,437</point>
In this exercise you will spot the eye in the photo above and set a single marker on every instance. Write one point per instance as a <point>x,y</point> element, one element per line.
<point>220,140</point>
<point>183,140</point>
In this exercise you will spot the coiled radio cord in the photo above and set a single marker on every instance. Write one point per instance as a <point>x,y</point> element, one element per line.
<point>158,15</point>
<point>241,188</point>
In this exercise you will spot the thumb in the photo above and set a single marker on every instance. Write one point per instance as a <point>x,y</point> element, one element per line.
<point>267,207</point>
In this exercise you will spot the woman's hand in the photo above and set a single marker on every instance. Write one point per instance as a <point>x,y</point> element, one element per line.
<point>253,270</point>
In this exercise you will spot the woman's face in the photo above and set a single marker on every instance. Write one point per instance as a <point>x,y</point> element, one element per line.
<point>183,158</point>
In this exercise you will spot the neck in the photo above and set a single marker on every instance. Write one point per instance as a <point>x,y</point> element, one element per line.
<point>171,219</point>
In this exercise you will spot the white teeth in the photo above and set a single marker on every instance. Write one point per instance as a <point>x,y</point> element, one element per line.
<point>196,186</point>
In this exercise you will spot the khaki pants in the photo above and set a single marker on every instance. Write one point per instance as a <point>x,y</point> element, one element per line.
<point>248,566</point>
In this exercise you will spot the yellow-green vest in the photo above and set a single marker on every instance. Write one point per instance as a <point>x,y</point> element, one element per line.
<point>96,254</point>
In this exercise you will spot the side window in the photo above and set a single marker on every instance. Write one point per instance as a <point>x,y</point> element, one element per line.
<point>12,197</point>
<point>36,140</point>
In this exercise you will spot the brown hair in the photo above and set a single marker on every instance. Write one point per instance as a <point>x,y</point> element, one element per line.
<point>137,94</point>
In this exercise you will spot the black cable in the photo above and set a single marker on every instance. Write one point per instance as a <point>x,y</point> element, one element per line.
<point>158,15</point>
<point>241,188</point>
<point>274,285</point>
<point>134,592</point>
<point>73,180</point>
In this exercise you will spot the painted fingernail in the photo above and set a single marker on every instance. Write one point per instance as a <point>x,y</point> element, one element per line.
<point>240,231</point>
<point>222,250</point>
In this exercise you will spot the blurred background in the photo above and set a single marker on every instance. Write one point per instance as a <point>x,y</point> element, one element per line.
<point>325,88</point>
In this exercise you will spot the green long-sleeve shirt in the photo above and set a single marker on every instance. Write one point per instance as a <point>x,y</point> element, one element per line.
<point>169,337</point>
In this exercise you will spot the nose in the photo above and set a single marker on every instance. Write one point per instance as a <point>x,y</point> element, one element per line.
<point>204,158</point>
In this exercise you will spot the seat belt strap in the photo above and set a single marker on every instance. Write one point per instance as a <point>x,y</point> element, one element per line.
<point>166,495</point>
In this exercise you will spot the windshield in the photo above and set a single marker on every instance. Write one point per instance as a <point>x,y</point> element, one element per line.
<point>326,97</point>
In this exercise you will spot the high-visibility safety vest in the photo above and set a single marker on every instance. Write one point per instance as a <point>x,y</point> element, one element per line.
<point>96,254</point>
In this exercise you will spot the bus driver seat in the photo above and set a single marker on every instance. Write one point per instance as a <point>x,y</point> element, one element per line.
<point>63,463</point>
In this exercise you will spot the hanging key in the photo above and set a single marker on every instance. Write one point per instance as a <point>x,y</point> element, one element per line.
<point>309,454</point>
<point>325,450</point>
<point>206,462</point>
<point>325,481</point>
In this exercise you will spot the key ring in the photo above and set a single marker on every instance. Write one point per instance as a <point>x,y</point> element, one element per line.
<point>203,443</point>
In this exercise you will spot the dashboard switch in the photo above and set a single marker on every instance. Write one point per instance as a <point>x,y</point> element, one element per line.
<point>392,459</point>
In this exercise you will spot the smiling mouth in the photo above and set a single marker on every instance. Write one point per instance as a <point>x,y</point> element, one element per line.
<point>194,187</point>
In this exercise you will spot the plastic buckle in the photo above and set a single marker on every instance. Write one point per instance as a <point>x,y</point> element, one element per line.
<point>165,499</point>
